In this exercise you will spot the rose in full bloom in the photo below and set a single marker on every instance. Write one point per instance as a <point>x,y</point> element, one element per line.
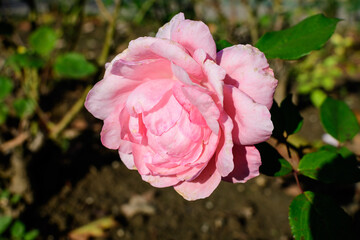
<point>182,114</point>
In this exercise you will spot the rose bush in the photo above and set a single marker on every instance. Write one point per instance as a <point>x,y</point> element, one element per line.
<point>182,114</point>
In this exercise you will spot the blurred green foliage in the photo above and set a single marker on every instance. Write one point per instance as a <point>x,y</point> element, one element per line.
<point>73,65</point>
<point>320,72</point>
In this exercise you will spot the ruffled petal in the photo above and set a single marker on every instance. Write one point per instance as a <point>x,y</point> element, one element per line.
<point>160,181</point>
<point>142,70</point>
<point>176,142</point>
<point>108,94</point>
<point>174,52</point>
<point>164,31</point>
<point>202,186</point>
<point>181,75</point>
<point>127,158</point>
<point>206,106</point>
<point>252,121</point>
<point>139,49</point>
<point>192,173</point>
<point>248,70</point>
<point>147,95</point>
<point>163,116</point>
<point>142,155</point>
<point>247,162</point>
<point>194,35</point>
<point>111,130</point>
<point>224,157</point>
<point>215,75</point>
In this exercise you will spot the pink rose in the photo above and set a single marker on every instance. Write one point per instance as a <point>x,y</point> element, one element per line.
<point>182,114</point>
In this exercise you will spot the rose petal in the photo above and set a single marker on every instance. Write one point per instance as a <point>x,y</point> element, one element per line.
<point>192,173</point>
<point>200,56</point>
<point>163,116</point>
<point>142,155</point>
<point>202,186</point>
<point>252,121</point>
<point>111,130</point>
<point>174,143</point>
<point>224,157</point>
<point>189,129</point>
<point>147,95</point>
<point>181,75</point>
<point>142,70</point>
<point>206,106</point>
<point>164,31</point>
<point>248,70</point>
<point>127,159</point>
<point>139,49</point>
<point>247,162</point>
<point>108,94</point>
<point>194,35</point>
<point>215,75</point>
<point>174,52</point>
<point>160,181</point>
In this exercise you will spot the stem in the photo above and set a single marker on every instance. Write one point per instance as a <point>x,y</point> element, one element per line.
<point>69,116</point>
<point>109,36</point>
<point>287,146</point>
<point>143,10</point>
<point>297,181</point>
<point>20,139</point>
<point>283,148</point>
<point>106,14</point>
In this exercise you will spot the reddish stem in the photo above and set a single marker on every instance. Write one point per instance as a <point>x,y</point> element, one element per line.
<point>297,181</point>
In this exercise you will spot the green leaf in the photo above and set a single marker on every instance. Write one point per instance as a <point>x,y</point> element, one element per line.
<point>31,235</point>
<point>73,65</point>
<point>272,162</point>
<point>24,107</point>
<point>18,61</point>
<point>17,230</point>
<point>338,119</point>
<point>318,97</point>
<point>299,40</point>
<point>291,118</point>
<point>330,166</point>
<point>221,44</point>
<point>3,112</point>
<point>15,198</point>
<point>108,3</point>
<point>43,40</point>
<point>4,194</point>
<point>315,216</point>
<point>4,223</point>
<point>6,86</point>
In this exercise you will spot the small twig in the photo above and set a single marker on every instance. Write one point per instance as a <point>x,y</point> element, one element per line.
<point>297,181</point>
<point>145,7</point>
<point>69,116</point>
<point>284,149</point>
<point>109,35</point>
<point>103,10</point>
<point>18,140</point>
<point>287,146</point>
